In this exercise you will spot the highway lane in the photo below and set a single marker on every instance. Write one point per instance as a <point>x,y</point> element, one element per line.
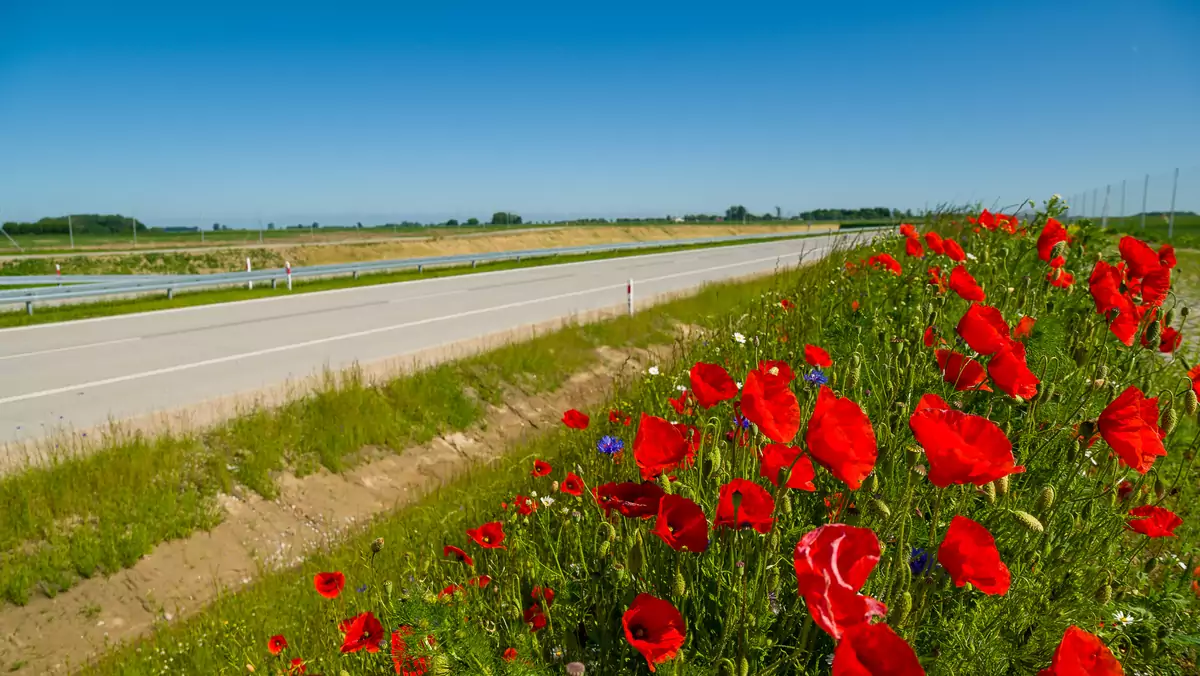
<point>81,374</point>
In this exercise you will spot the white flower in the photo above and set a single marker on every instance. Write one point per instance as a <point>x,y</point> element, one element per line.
<point>741,340</point>
<point>653,370</point>
<point>681,388</point>
<point>972,256</point>
<point>739,385</point>
<point>547,500</point>
<point>533,493</point>
<point>1123,618</point>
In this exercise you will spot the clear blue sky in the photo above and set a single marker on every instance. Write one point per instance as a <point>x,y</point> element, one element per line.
<point>348,111</point>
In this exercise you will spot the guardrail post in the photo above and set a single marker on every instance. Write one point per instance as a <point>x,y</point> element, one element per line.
<point>518,259</point>
<point>474,263</point>
<point>171,293</point>
<point>356,274</point>
<point>28,307</point>
<point>274,283</point>
<point>420,269</point>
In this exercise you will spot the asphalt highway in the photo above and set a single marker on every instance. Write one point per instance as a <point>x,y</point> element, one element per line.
<point>77,375</point>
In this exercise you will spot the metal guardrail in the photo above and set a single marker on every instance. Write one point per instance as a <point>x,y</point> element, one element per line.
<point>148,284</point>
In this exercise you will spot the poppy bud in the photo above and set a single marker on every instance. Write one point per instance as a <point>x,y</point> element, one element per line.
<point>1073,451</point>
<point>1153,333</point>
<point>880,508</point>
<point>665,482</point>
<point>901,609</point>
<point>1169,419</point>
<point>1029,521</point>
<point>377,545</point>
<point>554,487</point>
<point>633,561</point>
<point>1045,499</point>
<point>852,378</point>
<point>1059,249</point>
<point>1184,312</point>
<point>1160,489</point>
<point>873,482</point>
<point>989,492</point>
<point>603,551</point>
<point>1190,403</point>
<point>714,457</point>
<point>1104,595</point>
<point>1169,318</point>
<point>1001,486</point>
<point>680,586</point>
<point>745,667</point>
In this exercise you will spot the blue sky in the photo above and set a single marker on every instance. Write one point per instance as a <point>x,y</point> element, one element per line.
<point>288,112</point>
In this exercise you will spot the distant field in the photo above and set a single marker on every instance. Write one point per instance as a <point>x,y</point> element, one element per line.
<point>1186,235</point>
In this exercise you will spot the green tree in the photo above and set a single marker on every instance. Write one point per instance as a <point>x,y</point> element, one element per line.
<point>316,224</point>
<point>505,218</point>
<point>359,225</point>
<point>735,213</point>
<point>270,226</point>
<point>472,221</point>
<point>216,227</point>
<point>452,221</point>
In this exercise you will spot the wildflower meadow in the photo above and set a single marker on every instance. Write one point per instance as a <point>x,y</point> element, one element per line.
<point>966,449</point>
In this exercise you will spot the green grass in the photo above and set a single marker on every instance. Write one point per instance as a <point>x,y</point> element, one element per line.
<point>97,514</point>
<point>47,314</point>
<point>1079,548</point>
<point>1186,234</point>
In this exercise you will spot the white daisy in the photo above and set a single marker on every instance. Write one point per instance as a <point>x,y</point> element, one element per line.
<point>653,370</point>
<point>1123,618</point>
<point>741,340</point>
<point>547,500</point>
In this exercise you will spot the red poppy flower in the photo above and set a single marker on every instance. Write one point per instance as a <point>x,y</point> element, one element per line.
<point>576,420</point>
<point>934,242</point>
<point>616,416</point>
<point>912,247</point>
<point>711,385</point>
<point>480,581</point>
<point>631,500</point>
<point>1130,426</point>
<point>969,555</point>
<point>1154,521</point>
<point>539,593</point>
<point>953,250</point>
<point>524,505</point>
<point>962,371</point>
<point>276,644</point>
<point>535,618</point>
<point>774,367</point>
<point>1011,374</point>
<point>1166,256</point>
<point>1142,260</point>
<point>962,283</point>
<point>680,403</point>
<point>329,585</point>
<point>874,650</point>
<point>776,458</point>
<point>654,628</point>
<point>572,485</point>
<point>541,468</point>
<point>768,403</point>
<point>489,536</point>
<point>907,230</point>
<point>1060,279</point>
<point>832,564</point>
<point>1170,341</point>
<point>1052,233</point>
<point>816,356</point>
<point>1082,654</point>
<point>681,524</point>
<point>854,306</point>
<point>363,632</point>
<point>931,337</point>
<point>1124,489</point>
<point>658,446</point>
<point>1105,286</point>
<point>786,304</point>
<point>1024,328</point>
<point>463,557</point>
<point>450,590</point>
<point>1057,262</point>
<point>887,262</point>
<point>984,329</point>
<point>510,654</point>
<point>693,437</point>
<point>937,279</point>
<point>1128,321</point>
<point>753,511</point>
<point>840,437</point>
<point>1155,286</point>
<point>960,448</point>
<point>297,667</point>
<point>404,663</point>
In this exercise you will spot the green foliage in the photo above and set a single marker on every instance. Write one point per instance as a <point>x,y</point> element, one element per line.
<point>505,218</point>
<point>89,224</point>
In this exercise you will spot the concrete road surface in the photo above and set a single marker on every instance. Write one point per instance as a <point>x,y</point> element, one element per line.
<point>82,374</point>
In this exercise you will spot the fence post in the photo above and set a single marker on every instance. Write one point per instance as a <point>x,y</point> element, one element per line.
<point>1145,191</point>
<point>1171,218</point>
<point>1104,213</point>
<point>629,294</point>
<point>28,307</point>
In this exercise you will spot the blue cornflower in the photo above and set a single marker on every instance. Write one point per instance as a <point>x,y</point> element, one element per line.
<point>610,445</point>
<point>741,421</point>
<point>815,377</point>
<point>361,589</point>
<point>918,561</point>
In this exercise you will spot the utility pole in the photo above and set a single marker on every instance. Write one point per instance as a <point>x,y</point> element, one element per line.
<point>1145,191</point>
<point>260,235</point>
<point>1171,218</point>
<point>134,222</point>
<point>70,231</point>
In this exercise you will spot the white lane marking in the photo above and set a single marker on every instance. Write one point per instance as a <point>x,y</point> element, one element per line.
<point>368,287</point>
<point>68,349</point>
<point>382,329</point>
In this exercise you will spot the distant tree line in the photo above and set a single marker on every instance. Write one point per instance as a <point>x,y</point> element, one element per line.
<point>90,224</point>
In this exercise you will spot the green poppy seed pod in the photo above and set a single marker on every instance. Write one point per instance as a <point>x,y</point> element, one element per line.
<point>635,558</point>
<point>1028,520</point>
<point>1104,594</point>
<point>913,455</point>
<point>1190,402</point>
<point>736,499</point>
<point>1160,489</point>
<point>901,609</point>
<point>387,588</point>
<point>1045,499</point>
<point>665,482</point>
<point>880,508</point>
<point>1001,486</point>
<point>680,586</point>
<point>1153,333</point>
<point>1169,318</point>
<point>1059,249</point>
<point>1169,419</point>
<point>989,492</point>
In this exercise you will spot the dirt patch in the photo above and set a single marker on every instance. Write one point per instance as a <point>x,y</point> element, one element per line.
<point>179,578</point>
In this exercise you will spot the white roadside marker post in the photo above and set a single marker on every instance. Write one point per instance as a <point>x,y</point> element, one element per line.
<point>249,283</point>
<point>58,273</point>
<point>629,293</point>
<point>288,266</point>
